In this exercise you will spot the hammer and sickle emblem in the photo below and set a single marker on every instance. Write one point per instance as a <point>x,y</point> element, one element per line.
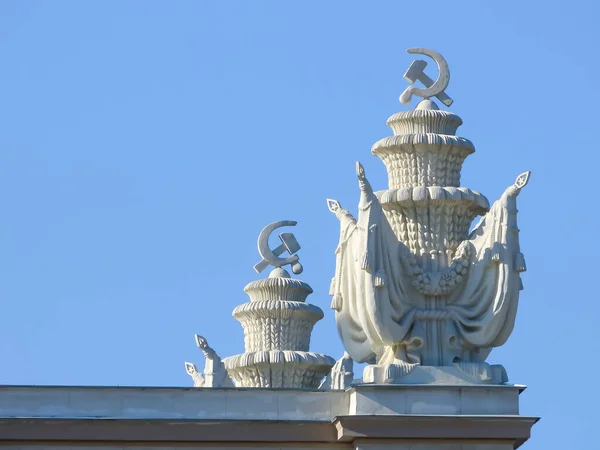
<point>288,243</point>
<point>432,88</point>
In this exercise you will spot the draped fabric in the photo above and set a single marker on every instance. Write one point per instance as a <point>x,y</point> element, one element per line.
<point>484,308</point>
<point>376,304</point>
<point>370,294</point>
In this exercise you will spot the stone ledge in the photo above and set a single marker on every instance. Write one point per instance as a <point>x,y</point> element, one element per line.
<point>513,428</point>
<point>201,415</point>
<point>483,400</point>
<point>161,431</point>
<point>54,402</point>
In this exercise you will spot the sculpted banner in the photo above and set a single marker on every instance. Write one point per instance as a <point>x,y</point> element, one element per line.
<point>412,287</point>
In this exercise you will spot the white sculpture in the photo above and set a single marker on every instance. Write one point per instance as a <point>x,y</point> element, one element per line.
<point>432,88</point>
<point>277,324</point>
<point>214,374</point>
<point>341,375</point>
<point>273,257</point>
<point>412,287</point>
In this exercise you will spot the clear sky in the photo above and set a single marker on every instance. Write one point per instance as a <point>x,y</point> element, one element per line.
<point>144,145</point>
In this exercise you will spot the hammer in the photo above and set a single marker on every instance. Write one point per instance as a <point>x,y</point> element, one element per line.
<point>288,243</point>
<point>415,72</point>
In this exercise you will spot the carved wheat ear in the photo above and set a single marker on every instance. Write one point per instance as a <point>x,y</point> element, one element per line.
<point>362,178</point>
<point>333,205</point>
<point>360,171</point>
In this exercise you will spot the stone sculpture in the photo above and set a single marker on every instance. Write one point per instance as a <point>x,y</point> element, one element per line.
<point>414,292</point>
<point>272,257</point>
<point>432,88</point>
<point>214,374</point>
<point>277,326</point>
<point>341,375</point>
<point>416,295</point>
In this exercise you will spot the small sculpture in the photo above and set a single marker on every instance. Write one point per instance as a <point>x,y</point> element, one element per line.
<point>193,372</point>
<point>214,374</point>
<point>341,375</point>
<point>277,324</point>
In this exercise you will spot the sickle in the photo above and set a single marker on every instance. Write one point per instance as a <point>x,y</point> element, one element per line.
<point>263,244</point>
<point>440,84</point>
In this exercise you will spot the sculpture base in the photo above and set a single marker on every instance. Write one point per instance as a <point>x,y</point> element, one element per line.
<point>457,374</point>
<point>278,369</point>
<point>434,417</point>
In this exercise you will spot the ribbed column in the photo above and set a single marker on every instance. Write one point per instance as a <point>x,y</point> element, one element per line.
<point>277,326</point>
<point>425,205</point>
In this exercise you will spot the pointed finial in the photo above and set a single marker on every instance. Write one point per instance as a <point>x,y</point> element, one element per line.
<point>522,180</point>
<point>201,341</point>
<point>360,171</point>
<point>362,178</point>
<point>333,205</point>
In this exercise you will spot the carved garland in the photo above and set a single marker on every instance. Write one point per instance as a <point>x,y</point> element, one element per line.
<point>440,283</point>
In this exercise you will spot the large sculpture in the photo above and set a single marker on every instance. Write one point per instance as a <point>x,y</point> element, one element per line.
<point>413,289</point>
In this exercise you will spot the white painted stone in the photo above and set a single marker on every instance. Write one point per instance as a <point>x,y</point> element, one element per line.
<point>412,287</point>
<point>444,375</point>
<point>30,402</point>
<point>444,400</point>
<point>376,402</point>
<point>292,406</point>
<point>172,403</point>
<point>489,401</point>
<point>95,403</point>
<point>215,374</point>
<point>415,72</point>
<point>276,404</point>
<point>244,405</point>
<point>341,375</point>
<point>277,326</point>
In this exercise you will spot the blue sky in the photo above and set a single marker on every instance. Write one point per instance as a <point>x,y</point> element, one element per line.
<point>144,145</point>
